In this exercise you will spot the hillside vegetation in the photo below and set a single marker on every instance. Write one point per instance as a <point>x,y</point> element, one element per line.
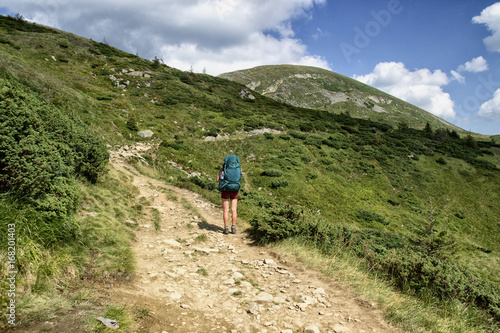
<point>416,205</point>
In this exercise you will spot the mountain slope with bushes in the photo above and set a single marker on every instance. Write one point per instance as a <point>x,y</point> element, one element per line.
<point>415,203</point>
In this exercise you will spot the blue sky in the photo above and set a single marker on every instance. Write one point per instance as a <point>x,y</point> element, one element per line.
<point>443,56</point>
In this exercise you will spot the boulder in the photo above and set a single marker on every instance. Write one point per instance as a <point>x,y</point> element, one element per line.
<point>145,134</point>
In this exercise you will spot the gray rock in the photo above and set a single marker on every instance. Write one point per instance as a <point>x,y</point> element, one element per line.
<point>176,295</point>
<point>340,329</point>
<point>253,308</point>
<point>173,243</point>
<point>145,134</point>
<point>311,329</point>
<point>270,262</point>
<point>302,306</point>
<point>279,300</point>
<point>299,298</point>
<point>246,285</point>
<point>229,282</point>
<point>136,73</point>
<point>319,291</point>
<point>264,298</point>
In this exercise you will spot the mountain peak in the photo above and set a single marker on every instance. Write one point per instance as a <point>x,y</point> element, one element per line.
<point>318,88</point>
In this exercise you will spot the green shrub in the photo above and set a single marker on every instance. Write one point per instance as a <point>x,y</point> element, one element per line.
<point>442,279</point>
<point>272,173</point>
<point>368,216</point>
<point>297,135</point>
<point>410,265</point>
<point>176,145</point>
<point>314,140</point>
<point>104,49</point>
<point>312,175</point>
<point>269,136</point>
<point>279,183</point>
<point>441,161</point>
<point>132,123</point>
<point>278,222</point>
<point>42,150</point>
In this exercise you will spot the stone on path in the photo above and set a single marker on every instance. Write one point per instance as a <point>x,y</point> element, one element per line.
<point>340,329</point>
<point>264,297</point>
<point>173,243</point>
<point>311,329</point>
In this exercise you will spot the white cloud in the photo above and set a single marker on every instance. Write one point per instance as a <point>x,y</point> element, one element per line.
<point>420,87</point>
<point>476,65</point>
<point>259,50</point>
<point>219,35</point>
<point>457,76</point>
<point>490,16</point>
<point>491,108</point>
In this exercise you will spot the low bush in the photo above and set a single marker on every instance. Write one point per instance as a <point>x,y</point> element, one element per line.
<point>272,173</point>
<point>441,161</point>
<point>407,263</point>
<point>42,150</point>
<point>279,183</point>
<point>297,135</point>
<point>368,216</point>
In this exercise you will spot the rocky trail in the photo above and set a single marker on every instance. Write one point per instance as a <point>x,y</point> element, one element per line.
<point>193,278</point>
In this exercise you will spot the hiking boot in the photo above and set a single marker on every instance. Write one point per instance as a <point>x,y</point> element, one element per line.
<point>233,229</point>
<point>226,230</point>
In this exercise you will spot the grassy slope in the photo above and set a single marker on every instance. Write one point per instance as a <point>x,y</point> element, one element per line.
<point>340,181</point>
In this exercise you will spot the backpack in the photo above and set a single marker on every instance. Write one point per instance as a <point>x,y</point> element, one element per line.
<point>231,180</point>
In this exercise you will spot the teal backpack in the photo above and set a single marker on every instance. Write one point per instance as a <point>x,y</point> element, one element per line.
<point>231,179</point>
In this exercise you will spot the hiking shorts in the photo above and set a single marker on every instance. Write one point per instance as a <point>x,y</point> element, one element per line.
<point>229,195</point>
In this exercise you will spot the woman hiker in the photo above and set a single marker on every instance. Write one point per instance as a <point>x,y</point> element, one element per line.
<point>229,179</point>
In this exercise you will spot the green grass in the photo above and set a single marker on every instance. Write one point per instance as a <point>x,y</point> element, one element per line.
<point>104,252</point>
<point>156,218</point>
<point>201,238</point>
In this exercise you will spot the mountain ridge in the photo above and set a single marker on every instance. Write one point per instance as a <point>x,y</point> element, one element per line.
<point>317,88</point>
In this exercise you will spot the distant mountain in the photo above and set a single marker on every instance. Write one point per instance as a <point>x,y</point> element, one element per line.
<point>317,88</point>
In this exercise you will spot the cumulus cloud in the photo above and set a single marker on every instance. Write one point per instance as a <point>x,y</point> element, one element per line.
<point>476,65</point>
<point>420,87</point>
<point>490,16</point>
<point>218,35</point>
<point>491,108</point>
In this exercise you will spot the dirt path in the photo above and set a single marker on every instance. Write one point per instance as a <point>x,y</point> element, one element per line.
<point>193,278</point>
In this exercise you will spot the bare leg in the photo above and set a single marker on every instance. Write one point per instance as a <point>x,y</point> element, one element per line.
<point>225,211</point>
<point>234,214</point>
